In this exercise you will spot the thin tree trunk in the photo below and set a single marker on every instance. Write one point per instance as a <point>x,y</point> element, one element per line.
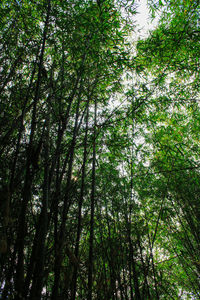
<point>74,280</point>
<point>90,269</point>
<point>12,179</point>
<point>37,282</point>
<point>61,236</point>
<point>19,279</point>
<point>131,261</point>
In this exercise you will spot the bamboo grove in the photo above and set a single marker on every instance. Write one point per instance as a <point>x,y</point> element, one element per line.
<point>99,151</point>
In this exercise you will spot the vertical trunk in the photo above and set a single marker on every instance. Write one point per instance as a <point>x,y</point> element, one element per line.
<point>35,244</point>
<point>74,281</point>
<point>12,179</point>
<point>145,292</point>
<point>61,235</point>
<point>90,269</point>
<point>132,264</point>
<point>132,268</point>
<point>135,278</point>
<point>112,266</point>
<point>125,285</point>
<point>19,280</point>
<point>12,176</point>
<point>154,276</point>
<point>37,282</point>
<point>61,129</point>
<point>152,262</point>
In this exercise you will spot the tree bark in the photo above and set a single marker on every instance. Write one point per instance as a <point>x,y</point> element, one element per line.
<point>78,233</point>
<point>19,279</point>
<point>92,203</point>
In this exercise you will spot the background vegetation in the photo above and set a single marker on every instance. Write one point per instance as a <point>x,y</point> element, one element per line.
<point>99,152</point>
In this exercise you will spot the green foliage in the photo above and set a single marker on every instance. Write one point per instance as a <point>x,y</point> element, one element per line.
<point>90,160</point>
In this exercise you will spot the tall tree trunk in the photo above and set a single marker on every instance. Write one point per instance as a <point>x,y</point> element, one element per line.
<point>92,203</point>
<point>61,235</point>
<point>37,282</point>
<point>12,180</point>
<point>132,265</point>
<point>19,279</point>
<point>78,233</point>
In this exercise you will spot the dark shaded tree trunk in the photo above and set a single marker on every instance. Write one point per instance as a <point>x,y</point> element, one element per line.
<point>78,233</point>
<point>61,234</point>
<point>38,275</point>
<point>19,280</point>
<point>92,206</point>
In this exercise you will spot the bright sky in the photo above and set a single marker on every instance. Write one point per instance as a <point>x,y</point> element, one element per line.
<point>142,18</point>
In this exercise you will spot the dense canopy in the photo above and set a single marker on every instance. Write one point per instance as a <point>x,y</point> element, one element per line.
<point>99,150</point>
